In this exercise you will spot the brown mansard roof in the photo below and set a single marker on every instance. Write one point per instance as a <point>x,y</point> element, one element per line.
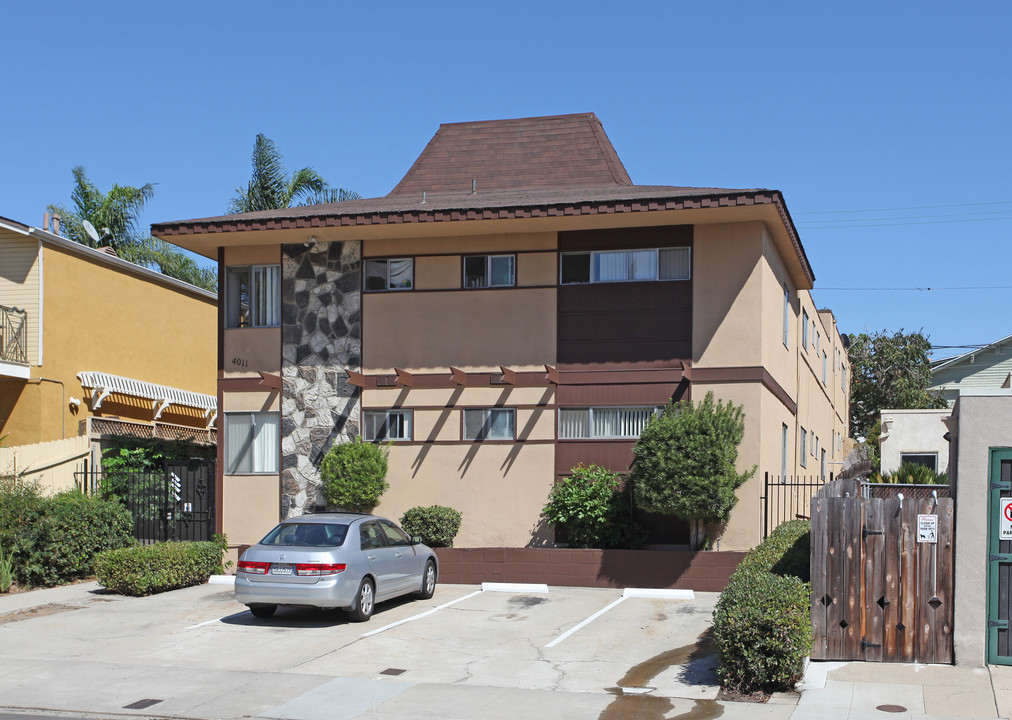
<point>527,168</point>
<point>541,152</point>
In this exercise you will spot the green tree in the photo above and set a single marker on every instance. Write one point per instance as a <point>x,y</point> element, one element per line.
<point>684,463</point>
<point>354,475</point>
<point>593,510</point>
<point>888,372</point>
<point>271,188</point>
<point>115,217</point>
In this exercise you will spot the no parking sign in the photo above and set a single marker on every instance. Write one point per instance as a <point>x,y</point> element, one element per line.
<point>1005,519</point>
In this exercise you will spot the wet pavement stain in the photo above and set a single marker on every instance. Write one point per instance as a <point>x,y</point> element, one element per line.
<point>527,600</point>
<point>645,707</point>
<point>34,612</point>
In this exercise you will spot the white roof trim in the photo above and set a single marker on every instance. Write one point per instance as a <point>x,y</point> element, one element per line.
<point>162,396</point>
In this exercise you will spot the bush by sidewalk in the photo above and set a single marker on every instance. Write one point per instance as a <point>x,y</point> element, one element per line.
<point>762,624</point>
<point>54,540</point>
<point>437,525</point>
<point>149,569</point>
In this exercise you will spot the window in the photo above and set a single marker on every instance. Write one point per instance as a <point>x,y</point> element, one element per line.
<point>394,535</point>
<point>626,265</point>
<point>306,534</point>
<point>489,424</point>
<point>389,274</point>
<point>825,362</point>
<point>482,271</point>
<point>818,342</point>
<point>251,443</point>
<point>843,376</point>
<point>787,316</point>
<point>804,448</point>
<point>253,296</point>
<point>815,445</point>
<point>804,329</point>
<point>603,422</point>
<point>823,466</point>
<point>928,460</point>
<point>783,452</point>
<point>379,425</point>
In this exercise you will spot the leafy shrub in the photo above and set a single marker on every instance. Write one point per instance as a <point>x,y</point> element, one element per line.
<point>353,475</point>
<point>592,511</point>
<point>911,474</point>
<point>762,622</point>
<point>437,525</point>
<point>149,569</point>
<point>52,540</point>
<point>6,570</point>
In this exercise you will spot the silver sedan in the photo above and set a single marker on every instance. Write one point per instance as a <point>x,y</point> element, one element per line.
<point>334,560</point>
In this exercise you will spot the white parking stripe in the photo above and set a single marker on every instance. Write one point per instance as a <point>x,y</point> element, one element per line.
<point>586,622</point>
<point>420,615</point>
<point>209,622</point>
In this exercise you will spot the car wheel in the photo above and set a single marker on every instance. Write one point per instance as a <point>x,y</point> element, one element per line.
<point>262,611</point>
<point>428,581</point>
<point>364,602</point>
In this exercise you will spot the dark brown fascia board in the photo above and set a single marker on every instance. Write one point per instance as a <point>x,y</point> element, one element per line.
<point>169,230</point>
<point>702,376</point>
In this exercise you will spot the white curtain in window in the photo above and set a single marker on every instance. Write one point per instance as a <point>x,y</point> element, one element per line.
<point>500,424</point>
<point>265,443</point>
<point>674,264</point>
<point>400,273</point>
<point>238,440</point>
<point>642,265</point>
<point>267,290</point>
<point>574,423</point>
<point>611,266</point>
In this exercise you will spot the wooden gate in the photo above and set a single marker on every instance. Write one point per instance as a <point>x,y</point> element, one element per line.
<point>881,591</point>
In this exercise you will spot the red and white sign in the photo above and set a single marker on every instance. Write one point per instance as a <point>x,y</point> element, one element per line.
<point>1005,519</point>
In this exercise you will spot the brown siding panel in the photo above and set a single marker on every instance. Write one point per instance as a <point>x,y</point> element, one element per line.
<point>616,455</point>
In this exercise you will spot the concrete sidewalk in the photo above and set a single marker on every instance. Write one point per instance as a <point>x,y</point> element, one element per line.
<point>183,655</point>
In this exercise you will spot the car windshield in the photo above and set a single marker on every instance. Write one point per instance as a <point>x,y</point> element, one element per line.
<point>306,535</point>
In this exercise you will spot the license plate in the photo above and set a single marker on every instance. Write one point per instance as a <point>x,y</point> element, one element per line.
<point>281,569</point>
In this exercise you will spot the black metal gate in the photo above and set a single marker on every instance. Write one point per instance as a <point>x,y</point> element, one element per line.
<point>175,503</point>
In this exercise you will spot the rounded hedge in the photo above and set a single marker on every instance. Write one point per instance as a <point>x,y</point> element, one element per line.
<point>762,624</point>
<point>353,475</point>
<point>437,525</point>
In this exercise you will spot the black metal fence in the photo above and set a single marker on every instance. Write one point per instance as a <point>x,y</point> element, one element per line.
<point>788,497</point>
<point>175,503</point>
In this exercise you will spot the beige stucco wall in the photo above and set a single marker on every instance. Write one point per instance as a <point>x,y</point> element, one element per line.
<point>727,322</point>
<point>473,330</point>
<point>983,422</point>
<point>498,489</point>
<point>19,282</point>
<point>250,507</point>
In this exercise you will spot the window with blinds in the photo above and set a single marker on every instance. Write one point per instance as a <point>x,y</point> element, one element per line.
<point>603,422</point>
<point>380,425</point>
<point>253,296</point>
<point>252,443</point>
<point>626,265</point>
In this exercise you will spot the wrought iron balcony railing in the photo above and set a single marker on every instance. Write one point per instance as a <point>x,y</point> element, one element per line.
<point>13,335</point>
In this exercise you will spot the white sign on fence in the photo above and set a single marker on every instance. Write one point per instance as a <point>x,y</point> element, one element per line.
<point>1005,520</point>
<point>927,528</point>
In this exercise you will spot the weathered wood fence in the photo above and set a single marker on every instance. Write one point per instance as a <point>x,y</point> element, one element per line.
<point>881,590</point>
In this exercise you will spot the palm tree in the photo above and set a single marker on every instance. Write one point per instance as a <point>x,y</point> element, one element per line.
<point>114,215</point>
<point>270,187</point>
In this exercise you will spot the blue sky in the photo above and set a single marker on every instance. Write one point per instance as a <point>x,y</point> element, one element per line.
<point>888,126</point>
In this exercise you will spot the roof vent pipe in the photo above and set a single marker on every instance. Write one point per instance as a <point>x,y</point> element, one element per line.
<point>474,187</point>
<point>56,224</point>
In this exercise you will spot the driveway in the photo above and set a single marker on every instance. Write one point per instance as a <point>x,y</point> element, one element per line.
<point>466,653</point>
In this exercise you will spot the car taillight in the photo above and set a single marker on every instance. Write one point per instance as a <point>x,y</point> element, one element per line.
<point>318,569</point>
<point>253,568</point>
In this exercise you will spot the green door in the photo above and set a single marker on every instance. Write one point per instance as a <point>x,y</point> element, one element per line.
<point>999,551</point>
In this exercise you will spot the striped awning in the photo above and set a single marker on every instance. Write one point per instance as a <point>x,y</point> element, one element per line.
<point>102,385</point>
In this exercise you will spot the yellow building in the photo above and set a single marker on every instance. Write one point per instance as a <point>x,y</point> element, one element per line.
<point>515,306</point>
<point>93,345</point>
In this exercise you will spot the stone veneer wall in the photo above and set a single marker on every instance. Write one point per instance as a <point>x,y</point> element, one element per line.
<point>321,336</point>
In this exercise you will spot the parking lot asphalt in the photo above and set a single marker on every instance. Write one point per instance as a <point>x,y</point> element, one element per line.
<point>465,653</point>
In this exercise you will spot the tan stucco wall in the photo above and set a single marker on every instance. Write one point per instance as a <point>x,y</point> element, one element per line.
<point>726,295</point>
<point>101,318</point>
<point>248,350</point>
<point>984,422</point>
<point>537,269</point>
<point>19,282</point>
<point>473,330</point>
<point>250,505</point>
<point>443,272</point>
<point>252,255</point>
<point>498,489</point>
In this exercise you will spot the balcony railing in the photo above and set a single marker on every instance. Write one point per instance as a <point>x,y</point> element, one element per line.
<point>13,335</point>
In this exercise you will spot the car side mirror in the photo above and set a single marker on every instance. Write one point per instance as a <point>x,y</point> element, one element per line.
<point>416,540</point>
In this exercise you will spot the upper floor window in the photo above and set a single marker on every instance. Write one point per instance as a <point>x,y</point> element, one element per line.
<point>380,425</point>
<point>252,443</point>
<point>626,265</point>
<point>787,316</point>
<point>824,363</point>
<point>603,422</point>
<point>804,329</point>
<point>398,274</point>
<point>482,271</point>
<point>489,424</point>
<point>804,448</point>
<point>253,296</point>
